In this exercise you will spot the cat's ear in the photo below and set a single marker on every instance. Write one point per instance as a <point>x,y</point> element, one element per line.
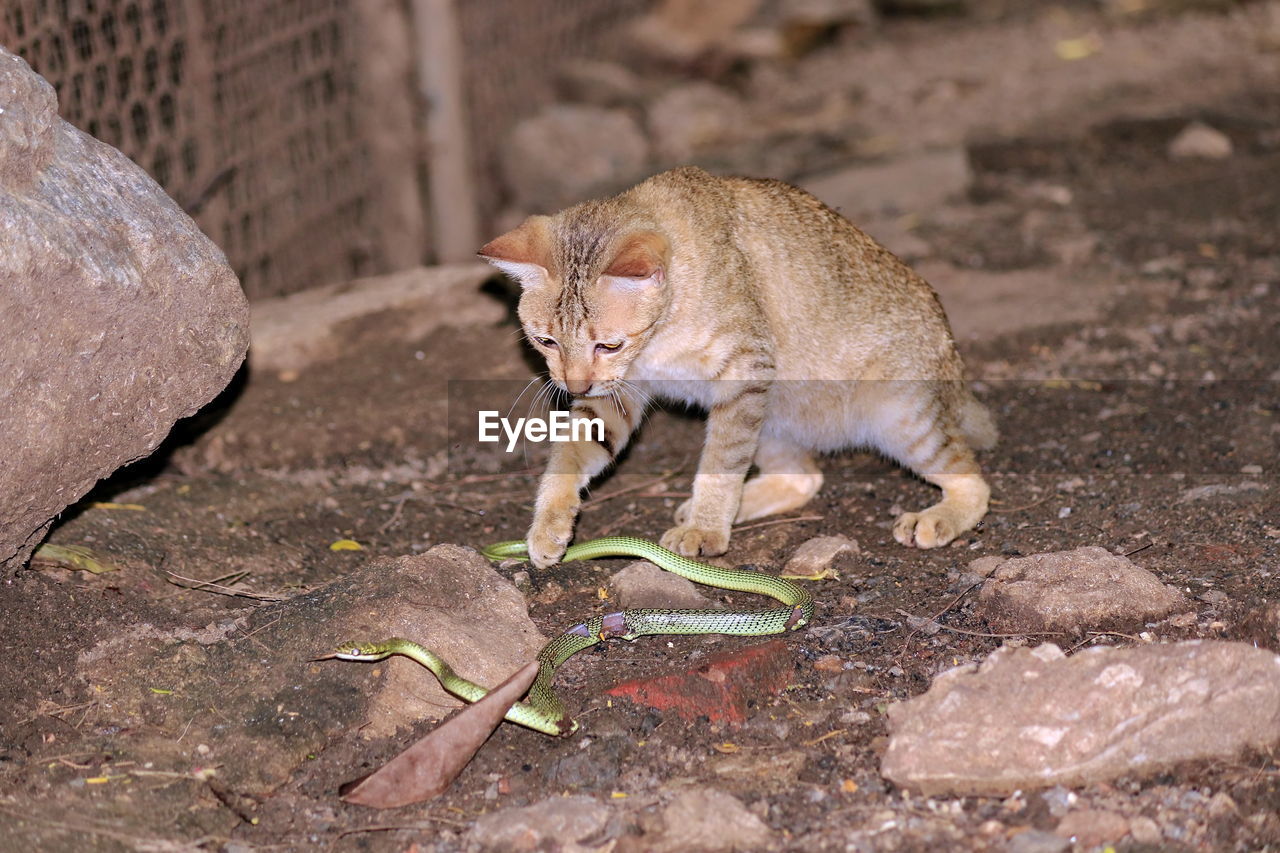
<point>524,253</point>
<point>640,261</point>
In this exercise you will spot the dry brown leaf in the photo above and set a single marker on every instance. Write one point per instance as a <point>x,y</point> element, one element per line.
<point>427,768</point>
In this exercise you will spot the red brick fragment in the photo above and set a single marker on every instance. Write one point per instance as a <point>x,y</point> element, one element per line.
<point>720,688</point>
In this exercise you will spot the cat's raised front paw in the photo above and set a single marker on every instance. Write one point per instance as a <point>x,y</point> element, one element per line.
<point>931,528</point>
<point>689,541</point>
<point>548,539</point>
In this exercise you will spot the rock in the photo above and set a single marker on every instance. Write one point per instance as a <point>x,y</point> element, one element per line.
<point>827,12</point>
<point>1074,591</point>
<point>567,153</point>
<point>722,688</point>
<point>1092,827</point>
<point>1214,490</point>
<point>1036,841</point>
<point>693,119</point>
<point>711,820</point>
<point>642,584</point>
<point>685,31</point>
<point>813,558</point>
<point>915,183</point>
<point>324,323</point>
<point>1199,141</point>
<point>123,317</point>
<point>558,823</point>
<point>273,706</point>
<point>681,31</point>
<point>984,566</point>
<point>1032,718</point>
<point>600,84</point>
<point>1145,830</point>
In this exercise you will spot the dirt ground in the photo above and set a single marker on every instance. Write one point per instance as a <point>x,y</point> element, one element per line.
<point>1150,427</point>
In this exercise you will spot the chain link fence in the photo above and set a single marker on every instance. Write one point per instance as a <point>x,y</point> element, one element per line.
<point>512,50</point>
<point>291,129</point>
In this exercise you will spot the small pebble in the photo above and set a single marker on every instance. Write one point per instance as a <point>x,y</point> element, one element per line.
<point>1035,841</point>
<point>1199,141</point>
<point>1144,830</point>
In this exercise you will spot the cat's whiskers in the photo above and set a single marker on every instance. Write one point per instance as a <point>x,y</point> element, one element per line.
<point>641,395</point>
<point>543,396</point>
<point>523,391</point>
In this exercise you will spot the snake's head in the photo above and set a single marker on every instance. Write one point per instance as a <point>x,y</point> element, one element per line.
<point>352,650</point>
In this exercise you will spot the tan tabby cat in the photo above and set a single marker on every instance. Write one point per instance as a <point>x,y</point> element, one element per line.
<point>794,330</point>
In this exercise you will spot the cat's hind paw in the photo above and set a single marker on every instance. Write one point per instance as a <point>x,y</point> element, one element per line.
<point>931,528</point>
<point>689,541</point>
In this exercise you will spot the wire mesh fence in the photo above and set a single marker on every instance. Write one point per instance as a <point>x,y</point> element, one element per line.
<point>512,49</point>
<point>287,127</point>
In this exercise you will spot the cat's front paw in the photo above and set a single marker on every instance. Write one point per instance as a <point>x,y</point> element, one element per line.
<point>928,529</point>
<point>548,538</point>
<point>684,512</point>
<point>689,541</point>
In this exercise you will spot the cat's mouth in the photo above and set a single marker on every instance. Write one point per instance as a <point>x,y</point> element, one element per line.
<point>596,389</point>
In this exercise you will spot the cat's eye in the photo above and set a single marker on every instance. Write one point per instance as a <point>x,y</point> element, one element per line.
<point>549,343</point>
<point>613,347</point>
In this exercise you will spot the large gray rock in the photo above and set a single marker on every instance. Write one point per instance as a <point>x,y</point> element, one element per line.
<point>120,316</point>
<point>1033,718</point>
<point>1073,591</point>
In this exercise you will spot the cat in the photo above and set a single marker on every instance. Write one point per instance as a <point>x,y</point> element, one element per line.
<point>750,299</point>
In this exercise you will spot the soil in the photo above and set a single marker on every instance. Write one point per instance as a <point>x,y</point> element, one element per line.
<point>1151,430</point>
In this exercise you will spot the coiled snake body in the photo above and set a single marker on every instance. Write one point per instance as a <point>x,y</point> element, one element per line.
<point>543,710</point>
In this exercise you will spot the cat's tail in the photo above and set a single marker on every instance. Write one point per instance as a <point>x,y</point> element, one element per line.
<point>977,425</point>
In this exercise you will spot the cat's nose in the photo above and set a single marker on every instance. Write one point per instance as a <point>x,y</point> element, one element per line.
<point>577,386</point>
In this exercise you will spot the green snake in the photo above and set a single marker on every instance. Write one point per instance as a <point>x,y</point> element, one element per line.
<point>542,710</point>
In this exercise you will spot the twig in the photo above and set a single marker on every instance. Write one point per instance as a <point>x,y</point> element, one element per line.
<point>135,842</point>
<point>774,521</point>
<point>969,633</point>
<point>1139,548</point>
<point>259,628</point>
<point>480,478</point>
<point>219,589</point>
<point>72,764</point>
<point>401,827</point>
<point>452,505</point>
<point>1093,635</point>
<point>395,516</point>
<point>186,727</point>
<point>592,502</point>
<point>617,523</point>
<point>819,740</point>
<point>230,577</point>
<point>936,616</point>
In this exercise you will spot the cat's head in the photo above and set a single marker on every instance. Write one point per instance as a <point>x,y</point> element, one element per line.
<point>591,295</point>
